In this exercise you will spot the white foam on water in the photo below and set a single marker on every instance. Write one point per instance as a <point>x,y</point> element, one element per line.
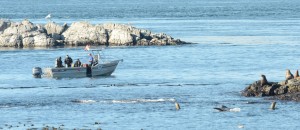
<point>235,109</point>
<point>241,126</point>
<point>4,106</point>
<point>144,100</point>
<point>84,101</point>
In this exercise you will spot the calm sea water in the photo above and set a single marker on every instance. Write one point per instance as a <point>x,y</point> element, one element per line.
<point>237,41</point>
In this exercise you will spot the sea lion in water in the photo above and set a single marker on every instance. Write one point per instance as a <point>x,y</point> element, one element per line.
<point>177,106</point>
<point>288,75</point>
<point>263,80</point>
<point>273,105</point>
<point>222,108</point>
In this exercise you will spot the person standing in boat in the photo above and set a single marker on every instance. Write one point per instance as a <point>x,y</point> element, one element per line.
<point>91,59</point>
<point>68,61</point>
<point>77,63</point>
<point>58,62</point>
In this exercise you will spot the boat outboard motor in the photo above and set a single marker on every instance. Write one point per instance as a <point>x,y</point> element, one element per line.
<point>37,72</point>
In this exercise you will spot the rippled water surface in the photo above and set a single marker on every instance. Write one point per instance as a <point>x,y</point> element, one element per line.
<point>142,91</point>
<point>237,41</point>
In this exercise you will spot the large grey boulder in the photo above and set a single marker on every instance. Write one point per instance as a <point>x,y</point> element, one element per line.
<point>128,28</point>
<point>52,27</point>
<point>19,28</point>
<point>121,34</point>
<point>120,37</point>
<point>24,34</point>
<point>11,40</point>
<point>3,25</point>
<point>54,31</point>
<point>43,40</point>
<point>81,33</point>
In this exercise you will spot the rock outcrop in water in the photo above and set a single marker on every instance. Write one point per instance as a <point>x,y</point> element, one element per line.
<point>288,89</point>
<point>27,34</point>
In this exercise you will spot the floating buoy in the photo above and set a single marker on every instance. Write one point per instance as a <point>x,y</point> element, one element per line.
<point>177,106</point>
<point>273,105</point>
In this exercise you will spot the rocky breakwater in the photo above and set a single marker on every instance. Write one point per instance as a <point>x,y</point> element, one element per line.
<point>288,89</point>
<point>27,34</point>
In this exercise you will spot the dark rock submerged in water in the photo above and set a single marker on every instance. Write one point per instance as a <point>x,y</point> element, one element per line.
<point>285,90</point>
<point>27,34</point>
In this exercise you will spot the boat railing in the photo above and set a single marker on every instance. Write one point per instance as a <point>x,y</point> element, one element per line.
<point>107,58</point>
<point>101,57</point>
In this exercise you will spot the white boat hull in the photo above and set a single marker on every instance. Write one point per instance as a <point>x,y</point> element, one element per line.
<point>102,69</point>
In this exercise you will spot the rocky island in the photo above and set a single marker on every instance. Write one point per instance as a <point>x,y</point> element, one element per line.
<point>289,89</point>
<point>27,34</point>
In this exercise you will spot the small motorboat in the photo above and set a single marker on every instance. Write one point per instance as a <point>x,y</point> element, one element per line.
<point>101,67</point>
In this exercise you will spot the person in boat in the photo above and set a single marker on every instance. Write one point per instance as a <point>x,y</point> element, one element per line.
<point>91,59</point>
<point>68,61</point>
<point>77,63</point>
<point>58,62</point>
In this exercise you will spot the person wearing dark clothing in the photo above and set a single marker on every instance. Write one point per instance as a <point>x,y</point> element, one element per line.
<point>91,59</point>
<point>68,61</point>
<point>58,62</point>
<point>77,63</point>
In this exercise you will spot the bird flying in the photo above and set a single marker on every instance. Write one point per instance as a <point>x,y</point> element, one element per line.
<point>48,16</point>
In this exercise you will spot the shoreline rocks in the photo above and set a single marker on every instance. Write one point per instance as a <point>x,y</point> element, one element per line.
<point>27,34</point>
<point>288,89</point>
